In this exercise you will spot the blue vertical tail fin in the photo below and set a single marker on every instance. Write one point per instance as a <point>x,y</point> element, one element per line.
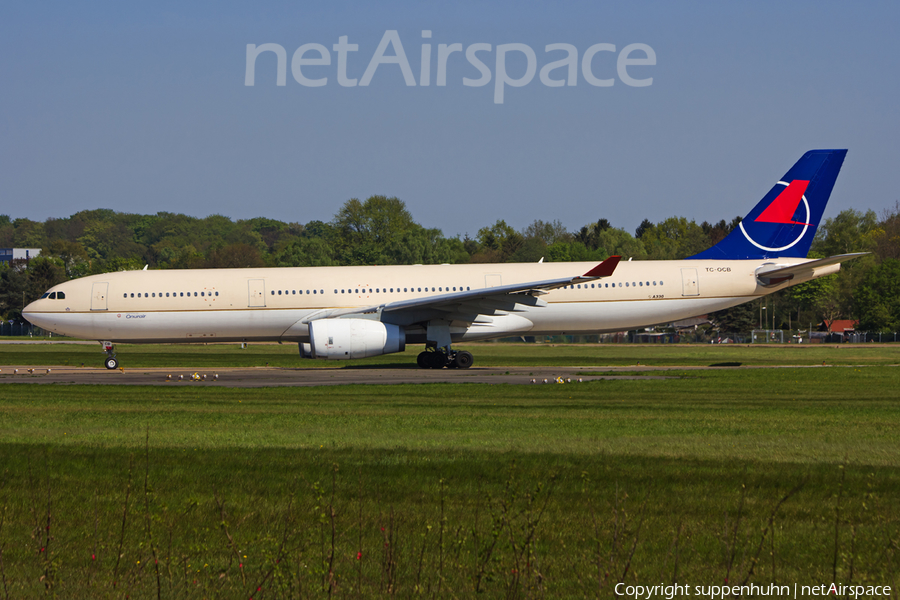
<point>784,222</point>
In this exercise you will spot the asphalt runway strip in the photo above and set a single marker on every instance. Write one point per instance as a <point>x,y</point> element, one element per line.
<point>251,377</point>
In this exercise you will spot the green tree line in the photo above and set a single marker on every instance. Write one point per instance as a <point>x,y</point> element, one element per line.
<point>381,230</point>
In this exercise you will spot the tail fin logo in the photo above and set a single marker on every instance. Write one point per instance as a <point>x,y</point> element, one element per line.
<point>781,212</point>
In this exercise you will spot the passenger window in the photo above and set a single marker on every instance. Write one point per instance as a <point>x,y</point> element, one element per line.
<point>641,283</point>
<point>203,294</point>
<point>125,295</point>
<point>660,283</point>
<point>307,292</point>
<point>279,292</point>
<point>195,294</point>
<point>294,292</point>
<point>217,293</point>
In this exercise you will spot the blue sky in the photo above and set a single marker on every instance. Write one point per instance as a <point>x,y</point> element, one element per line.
<point>142,107</point>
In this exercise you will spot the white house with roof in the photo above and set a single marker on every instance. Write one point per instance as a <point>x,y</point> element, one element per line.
<point>11,254</point>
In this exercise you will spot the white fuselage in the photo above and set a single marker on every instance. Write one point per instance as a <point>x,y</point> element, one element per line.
<point>276,303</point>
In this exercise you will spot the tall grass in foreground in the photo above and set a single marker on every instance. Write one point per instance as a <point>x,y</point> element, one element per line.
<point>450,491</point>
<point>86,522</point>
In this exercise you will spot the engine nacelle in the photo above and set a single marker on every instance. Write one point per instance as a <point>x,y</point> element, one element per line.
<point>343,339</point>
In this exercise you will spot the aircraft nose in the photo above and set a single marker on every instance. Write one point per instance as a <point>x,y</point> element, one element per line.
<point>29,314</point>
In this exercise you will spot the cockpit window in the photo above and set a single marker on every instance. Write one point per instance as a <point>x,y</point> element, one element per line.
<point>53,295</point>
<point>60,295</point>
<point>45,295</point>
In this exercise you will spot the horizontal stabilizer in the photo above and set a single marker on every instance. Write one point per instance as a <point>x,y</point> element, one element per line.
<point>779,272</point>
<point>775,274</point>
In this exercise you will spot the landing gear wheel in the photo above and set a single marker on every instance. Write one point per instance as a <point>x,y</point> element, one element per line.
<point>422,360</point>
<point>112,363</point>
<point>437,360</point>
<point>463,360</point>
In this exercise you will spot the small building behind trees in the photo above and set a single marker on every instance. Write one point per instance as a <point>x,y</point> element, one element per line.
<point>8,255</point>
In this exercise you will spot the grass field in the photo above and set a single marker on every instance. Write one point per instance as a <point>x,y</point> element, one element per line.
<point>454,491</point>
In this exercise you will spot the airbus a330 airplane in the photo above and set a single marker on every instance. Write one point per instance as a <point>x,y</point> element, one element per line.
<point>357,312</point>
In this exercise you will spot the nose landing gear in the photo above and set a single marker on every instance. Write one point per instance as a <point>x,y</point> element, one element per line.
<point>111,361</point>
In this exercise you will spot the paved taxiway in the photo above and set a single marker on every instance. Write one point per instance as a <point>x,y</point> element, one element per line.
<point>251,377</point>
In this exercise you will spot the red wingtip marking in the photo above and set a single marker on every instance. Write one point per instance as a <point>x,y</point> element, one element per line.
<point>785,205</point>
<point>604,269</point>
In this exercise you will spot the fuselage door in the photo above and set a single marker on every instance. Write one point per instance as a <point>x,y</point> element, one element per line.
<point>690,284</point>
<point>98,295</point>
<point>493,280</point>
<point>257,291</point>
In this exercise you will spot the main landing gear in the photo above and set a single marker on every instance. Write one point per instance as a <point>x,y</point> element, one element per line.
<point>438,359</point>
<point>111,361</point>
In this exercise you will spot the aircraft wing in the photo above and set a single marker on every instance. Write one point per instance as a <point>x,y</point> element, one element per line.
<point>776,273</point>
<point>468,305</point>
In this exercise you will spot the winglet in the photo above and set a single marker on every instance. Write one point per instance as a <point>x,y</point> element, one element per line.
<point>604,269</point>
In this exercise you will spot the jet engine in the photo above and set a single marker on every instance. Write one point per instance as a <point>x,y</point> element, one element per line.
<point>343,339</point>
